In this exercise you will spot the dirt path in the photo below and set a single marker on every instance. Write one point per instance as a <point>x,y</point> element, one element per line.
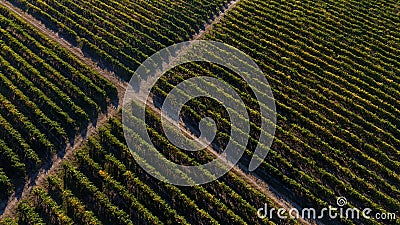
<point>73,49</point>
<point>249,177</point>
<point>208,26</point>
<point>112,111</point>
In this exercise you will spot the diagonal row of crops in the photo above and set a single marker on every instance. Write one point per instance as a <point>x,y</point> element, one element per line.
<point>122,34</point>
<point>105,185</point>
<point>338,116</point>
<point>333,68</point>
<point>47,97</point>
<point>337,96</point>
<point>316,169</point>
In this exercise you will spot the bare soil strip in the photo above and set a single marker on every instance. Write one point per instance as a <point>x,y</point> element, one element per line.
<point>55,166</point>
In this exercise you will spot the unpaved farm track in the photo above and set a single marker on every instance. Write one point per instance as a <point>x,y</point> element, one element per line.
<point>56,163</point>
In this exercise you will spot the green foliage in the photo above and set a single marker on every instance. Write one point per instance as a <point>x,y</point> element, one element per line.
<point>47,96</point>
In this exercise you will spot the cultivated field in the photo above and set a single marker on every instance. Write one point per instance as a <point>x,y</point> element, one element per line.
<point>333,67</point>
<point>47,97</point>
